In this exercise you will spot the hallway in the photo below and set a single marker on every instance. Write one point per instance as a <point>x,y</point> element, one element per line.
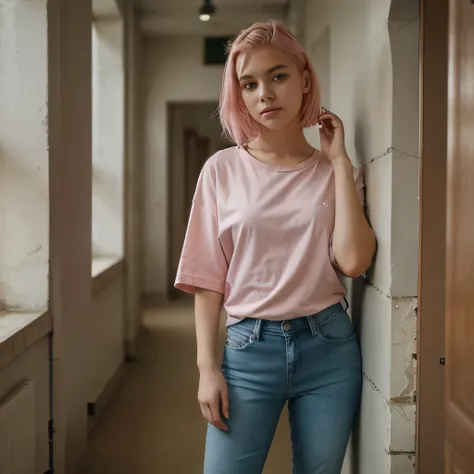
<point>107,116</point>
<point>154,425</point>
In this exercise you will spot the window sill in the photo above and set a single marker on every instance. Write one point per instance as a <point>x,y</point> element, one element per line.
<point>19,331</point>
<point>105,270</point>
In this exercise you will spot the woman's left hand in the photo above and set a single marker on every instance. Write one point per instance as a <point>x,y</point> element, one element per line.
<point>331,134</point>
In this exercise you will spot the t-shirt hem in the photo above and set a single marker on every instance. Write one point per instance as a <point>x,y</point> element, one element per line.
<point>190,284</point>
<point>313,309</point>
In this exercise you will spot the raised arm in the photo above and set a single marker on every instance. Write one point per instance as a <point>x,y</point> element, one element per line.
<point>353,241</point>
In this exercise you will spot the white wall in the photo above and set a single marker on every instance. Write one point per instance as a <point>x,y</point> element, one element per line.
<point>173,73</point>
<point>105,343</point>
<point>373,86</point>
<point>24,212</point>
<point>24,206</point>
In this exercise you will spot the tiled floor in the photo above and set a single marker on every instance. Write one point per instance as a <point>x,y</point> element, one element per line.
<point>154,426</point>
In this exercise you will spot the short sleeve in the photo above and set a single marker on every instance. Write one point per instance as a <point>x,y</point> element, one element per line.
<point>359,185</point>
<point>202,263</point>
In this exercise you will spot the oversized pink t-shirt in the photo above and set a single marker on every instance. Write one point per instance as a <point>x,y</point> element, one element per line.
<point>260,235</point>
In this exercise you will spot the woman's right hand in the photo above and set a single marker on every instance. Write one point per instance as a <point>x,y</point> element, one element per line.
<point>213,397</point>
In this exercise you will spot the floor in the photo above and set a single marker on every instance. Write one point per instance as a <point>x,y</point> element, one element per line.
<point>154,425</point>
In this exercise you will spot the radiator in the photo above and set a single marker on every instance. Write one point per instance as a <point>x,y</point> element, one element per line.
<point>18,431</point>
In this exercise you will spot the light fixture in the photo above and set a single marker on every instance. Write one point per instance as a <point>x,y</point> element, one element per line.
<point>207,10</point>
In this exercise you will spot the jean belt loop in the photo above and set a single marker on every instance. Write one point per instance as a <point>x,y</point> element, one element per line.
<point>257,328</point>
<point>312,324</point>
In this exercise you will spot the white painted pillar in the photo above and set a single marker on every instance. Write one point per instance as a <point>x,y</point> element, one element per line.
<point>70,125</point>
<point>133,46</point>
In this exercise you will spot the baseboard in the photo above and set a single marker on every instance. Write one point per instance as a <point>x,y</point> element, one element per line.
<point>97,408</point>
<point>131,346</point>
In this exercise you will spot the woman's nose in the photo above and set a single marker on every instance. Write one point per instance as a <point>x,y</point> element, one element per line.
<point>265,93</point>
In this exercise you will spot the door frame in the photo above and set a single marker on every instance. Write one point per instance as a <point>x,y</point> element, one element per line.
<point>434,24</point>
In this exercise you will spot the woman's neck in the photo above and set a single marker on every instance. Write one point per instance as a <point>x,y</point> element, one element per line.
<point>288,146</point>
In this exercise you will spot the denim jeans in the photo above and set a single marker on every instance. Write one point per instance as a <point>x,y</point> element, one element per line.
<point>314,364</point>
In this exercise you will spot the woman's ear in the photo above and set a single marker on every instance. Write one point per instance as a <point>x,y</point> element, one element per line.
<point>306,81</point>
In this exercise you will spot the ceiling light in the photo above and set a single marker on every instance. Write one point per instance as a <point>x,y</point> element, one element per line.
<point>207,10</point>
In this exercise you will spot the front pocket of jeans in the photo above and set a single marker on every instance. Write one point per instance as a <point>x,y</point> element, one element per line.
<point>238,339</point>
<point>337,329</point>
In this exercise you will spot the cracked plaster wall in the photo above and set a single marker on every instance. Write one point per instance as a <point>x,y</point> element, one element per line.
<point>366,56</point>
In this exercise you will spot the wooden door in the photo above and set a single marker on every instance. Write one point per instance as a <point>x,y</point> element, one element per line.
<point>431,337</point>
<point>459,406</point>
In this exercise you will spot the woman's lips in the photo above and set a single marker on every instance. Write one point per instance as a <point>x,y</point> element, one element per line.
<point>269,112</point>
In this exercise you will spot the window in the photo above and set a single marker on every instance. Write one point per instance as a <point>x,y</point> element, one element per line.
<point>107,140</point>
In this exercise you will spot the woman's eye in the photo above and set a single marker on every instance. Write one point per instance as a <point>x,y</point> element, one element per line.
<point>279,77</point>
<point>249,85</point>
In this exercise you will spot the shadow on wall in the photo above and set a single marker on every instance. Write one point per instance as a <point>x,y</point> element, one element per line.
<point>356,303</point>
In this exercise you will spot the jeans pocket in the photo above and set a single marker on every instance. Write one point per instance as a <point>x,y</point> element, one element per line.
<point>239,335</point>
<point>337,329</point>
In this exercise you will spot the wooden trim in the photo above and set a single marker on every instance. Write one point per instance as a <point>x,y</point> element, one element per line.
<point>431,314</point>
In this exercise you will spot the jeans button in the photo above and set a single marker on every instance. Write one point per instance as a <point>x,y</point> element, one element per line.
<point>287,327</point>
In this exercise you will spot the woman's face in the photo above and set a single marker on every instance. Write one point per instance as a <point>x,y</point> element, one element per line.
<point>272,86</point>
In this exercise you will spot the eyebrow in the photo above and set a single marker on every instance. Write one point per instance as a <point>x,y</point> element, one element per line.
<point>269,71</point>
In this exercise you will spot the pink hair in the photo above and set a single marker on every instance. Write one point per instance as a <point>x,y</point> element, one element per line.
<point>235,119</point>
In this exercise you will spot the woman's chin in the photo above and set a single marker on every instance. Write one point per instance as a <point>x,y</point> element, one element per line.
<point>274,125</point>
<point>279,122</point>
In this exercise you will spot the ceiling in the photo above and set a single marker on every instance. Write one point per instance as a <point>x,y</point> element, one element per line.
<point>180,17</point>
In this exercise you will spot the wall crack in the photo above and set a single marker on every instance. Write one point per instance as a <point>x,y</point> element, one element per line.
<point>397,452</point>
<point>393,403</point>
<point>381,293</point>
<point>388,151</point>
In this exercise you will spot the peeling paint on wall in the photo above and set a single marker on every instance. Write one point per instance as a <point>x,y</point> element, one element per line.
<point>404,342</point>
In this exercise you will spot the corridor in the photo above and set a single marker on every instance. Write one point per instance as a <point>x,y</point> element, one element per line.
<point>107,115</point>
<point>154,424</point>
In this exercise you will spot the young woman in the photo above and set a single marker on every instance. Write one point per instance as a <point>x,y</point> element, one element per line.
<point>271,220</point>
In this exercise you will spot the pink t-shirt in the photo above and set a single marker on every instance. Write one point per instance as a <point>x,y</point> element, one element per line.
<point>260,235</point>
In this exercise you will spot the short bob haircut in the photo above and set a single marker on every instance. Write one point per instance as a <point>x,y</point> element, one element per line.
<point>236,122</point>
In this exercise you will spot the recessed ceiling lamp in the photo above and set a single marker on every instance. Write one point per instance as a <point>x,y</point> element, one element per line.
<point>207,10</point>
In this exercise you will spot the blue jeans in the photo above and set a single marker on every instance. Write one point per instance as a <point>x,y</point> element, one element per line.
<point>314,364</point>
